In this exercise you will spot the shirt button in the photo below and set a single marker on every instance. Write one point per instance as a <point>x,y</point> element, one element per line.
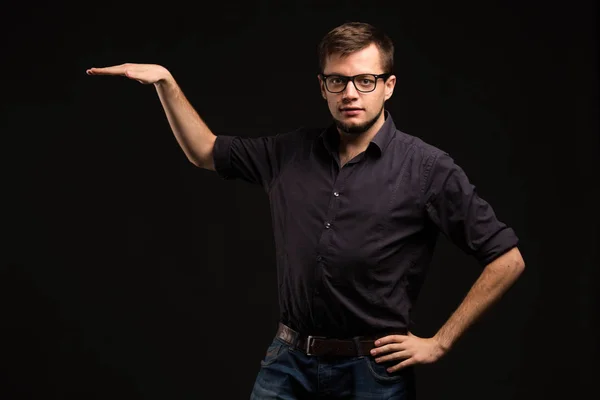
<point>336,194</point>
<point>327,225</point>
<point>319,258</point>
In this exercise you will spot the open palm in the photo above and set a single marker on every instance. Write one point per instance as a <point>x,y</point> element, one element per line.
<point>143,73</point>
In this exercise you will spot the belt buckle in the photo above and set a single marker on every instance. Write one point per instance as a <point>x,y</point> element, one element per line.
<point>309,342</point>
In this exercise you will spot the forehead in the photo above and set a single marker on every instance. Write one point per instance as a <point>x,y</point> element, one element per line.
<point>367,60</point>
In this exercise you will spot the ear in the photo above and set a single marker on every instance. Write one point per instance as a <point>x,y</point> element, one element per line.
<point>390,84</point>
<point>322,86</point>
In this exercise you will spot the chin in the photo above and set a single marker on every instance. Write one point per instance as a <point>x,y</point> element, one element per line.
<point>353,127</point>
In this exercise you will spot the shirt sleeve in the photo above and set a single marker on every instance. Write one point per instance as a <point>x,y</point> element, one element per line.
<point>254,160</point>
<point>454,206</point>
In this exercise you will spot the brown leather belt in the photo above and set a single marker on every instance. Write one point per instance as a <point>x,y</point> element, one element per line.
<point>322,346</point>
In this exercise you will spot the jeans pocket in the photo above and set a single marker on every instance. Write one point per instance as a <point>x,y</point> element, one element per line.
<point>379,370</point>
<point>273,352</point>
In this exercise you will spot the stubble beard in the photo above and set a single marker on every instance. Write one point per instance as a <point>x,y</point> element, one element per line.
<point>357,129</point>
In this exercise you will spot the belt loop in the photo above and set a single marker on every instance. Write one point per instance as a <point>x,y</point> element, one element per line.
<point>356,340</point>
<point>292,336</point>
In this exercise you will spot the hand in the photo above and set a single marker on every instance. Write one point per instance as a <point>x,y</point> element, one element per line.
<point>410,348</point>
<point>143,73</point>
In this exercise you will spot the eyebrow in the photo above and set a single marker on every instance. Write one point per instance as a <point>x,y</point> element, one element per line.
<point>362,73</point>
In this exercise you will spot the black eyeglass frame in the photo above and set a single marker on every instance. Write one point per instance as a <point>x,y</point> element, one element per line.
<point>347,79</point>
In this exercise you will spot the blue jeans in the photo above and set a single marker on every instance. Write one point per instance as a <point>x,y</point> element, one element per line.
<point>288,373</point>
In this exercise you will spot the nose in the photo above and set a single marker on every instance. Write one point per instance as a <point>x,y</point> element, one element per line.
<point>350,92</point>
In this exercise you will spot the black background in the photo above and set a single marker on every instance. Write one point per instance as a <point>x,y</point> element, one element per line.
<point>129,273</point>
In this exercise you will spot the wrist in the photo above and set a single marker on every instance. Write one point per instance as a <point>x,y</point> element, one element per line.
<point>443,343</point>
<point>165,80</point>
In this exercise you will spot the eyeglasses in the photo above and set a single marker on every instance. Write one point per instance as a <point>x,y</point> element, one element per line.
<point>364,83</point>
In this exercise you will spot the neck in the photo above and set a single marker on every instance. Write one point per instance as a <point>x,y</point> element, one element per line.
<point>354,144</point>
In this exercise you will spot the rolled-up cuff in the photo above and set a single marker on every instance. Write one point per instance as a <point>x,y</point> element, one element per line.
<point>497,245</point>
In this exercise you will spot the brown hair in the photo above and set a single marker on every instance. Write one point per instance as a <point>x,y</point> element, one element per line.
<point>352,37</point>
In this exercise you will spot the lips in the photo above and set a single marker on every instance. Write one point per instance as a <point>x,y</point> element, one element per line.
<point>351,111</point>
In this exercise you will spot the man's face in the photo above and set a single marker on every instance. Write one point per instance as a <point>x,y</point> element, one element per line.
<point>355,112</point>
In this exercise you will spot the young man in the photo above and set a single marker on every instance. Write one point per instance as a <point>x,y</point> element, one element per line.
<point>356,211</point>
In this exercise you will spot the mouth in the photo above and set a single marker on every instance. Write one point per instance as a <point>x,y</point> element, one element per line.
<point>351,111</point>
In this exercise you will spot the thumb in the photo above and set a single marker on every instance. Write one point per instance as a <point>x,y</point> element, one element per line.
<point>130,75</point>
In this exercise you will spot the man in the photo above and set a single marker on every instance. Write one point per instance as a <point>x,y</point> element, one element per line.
<point>356,210</point>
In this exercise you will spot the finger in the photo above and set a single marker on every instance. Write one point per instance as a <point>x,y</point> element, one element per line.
<point>390,339</point>
<point>387,348</point>
<point>112,70</point>
<point>406,363</point>
<point>398,355</point>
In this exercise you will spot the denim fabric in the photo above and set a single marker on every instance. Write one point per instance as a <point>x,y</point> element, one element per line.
<point>288,373</point>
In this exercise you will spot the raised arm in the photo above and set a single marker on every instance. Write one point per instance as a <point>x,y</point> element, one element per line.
<point>192,134</point>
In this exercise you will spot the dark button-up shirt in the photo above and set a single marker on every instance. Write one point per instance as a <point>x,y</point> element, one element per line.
<point>353,242</point>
